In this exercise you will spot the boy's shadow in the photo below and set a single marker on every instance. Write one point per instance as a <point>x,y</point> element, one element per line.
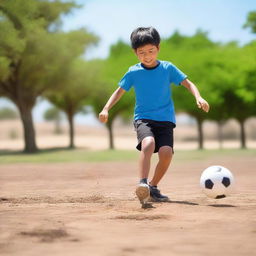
<point>178,202</point>
<point>212,205</point>
<point>151,204</point>
<point>182,202</point>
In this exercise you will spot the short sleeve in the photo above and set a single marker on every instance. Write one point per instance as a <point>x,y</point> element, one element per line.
<point>126,81</point>
<point>176,75</point>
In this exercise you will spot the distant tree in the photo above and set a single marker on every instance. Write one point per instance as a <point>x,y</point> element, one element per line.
<point>54,114</point>
<point>112,70</point>
<point>8,114</point>
<point>193,56</point>
<point>224,74</point>
<point>77,85</point>
<point>231,83</point>
<point>244,97</point>
<point>251,21</point>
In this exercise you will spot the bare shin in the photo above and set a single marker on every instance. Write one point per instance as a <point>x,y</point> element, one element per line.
<point>147,149</point>
<point>165,157</point>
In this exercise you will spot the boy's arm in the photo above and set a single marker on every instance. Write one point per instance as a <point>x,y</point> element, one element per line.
<point>201,103</point>
<point>114,98</point>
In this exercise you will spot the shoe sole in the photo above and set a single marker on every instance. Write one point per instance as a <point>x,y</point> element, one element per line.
<point>142,194</point>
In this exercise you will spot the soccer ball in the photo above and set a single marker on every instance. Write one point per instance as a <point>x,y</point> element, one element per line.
<point>216,181</point>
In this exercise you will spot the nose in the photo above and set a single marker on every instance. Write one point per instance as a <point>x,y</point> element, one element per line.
<point>147,56</point>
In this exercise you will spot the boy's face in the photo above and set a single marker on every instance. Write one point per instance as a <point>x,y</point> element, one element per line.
<point>147,55</point>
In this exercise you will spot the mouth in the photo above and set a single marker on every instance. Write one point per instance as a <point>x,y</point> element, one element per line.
<point>147,62</point>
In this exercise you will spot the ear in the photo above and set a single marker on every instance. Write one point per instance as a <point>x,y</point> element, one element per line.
<point>158,47</point>
<point>135,51</point>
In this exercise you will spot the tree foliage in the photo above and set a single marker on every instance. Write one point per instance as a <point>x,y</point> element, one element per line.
<point>8,114</point>
<point>34,54</point>
<point>77,87</point>
<point>251,21</point>
<point>112,69</point>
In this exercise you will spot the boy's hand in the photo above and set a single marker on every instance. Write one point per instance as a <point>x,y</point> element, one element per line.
<point>103,116</point>
<point>203,104</point>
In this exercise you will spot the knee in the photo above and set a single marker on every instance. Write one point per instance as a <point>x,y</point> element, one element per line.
<point>148,145</point>
<point>165,154</point>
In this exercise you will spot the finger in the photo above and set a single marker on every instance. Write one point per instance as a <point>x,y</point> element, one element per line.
<point>102,119</point>
<point>206,108</point>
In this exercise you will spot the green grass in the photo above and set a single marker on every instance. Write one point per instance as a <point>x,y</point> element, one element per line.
<point>188,155</point>
<point>65,155</point>
<point>82,155</point>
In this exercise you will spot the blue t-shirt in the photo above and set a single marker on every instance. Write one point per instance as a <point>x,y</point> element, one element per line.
<point>153,90</point>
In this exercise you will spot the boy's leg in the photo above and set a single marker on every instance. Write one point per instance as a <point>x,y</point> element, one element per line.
<point>147,149</point>
<point>165,156</point>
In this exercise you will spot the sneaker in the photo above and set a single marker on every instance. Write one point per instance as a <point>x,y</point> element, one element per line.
<point>156,195</point>
<point>143,193</point>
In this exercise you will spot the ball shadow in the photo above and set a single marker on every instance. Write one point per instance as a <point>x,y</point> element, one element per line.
<point>222,205</point>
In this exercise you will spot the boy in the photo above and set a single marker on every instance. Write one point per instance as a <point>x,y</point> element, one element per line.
<point>154,116</point>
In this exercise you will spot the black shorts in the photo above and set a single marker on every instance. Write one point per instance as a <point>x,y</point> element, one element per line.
<point>162,131</point>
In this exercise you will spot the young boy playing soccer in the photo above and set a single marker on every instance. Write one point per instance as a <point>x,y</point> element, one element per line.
<point>154,116</point>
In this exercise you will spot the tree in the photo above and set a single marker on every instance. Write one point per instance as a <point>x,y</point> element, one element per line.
<point>111,71</point>
<point>27,47</point>
<point>251,21</point>
<point>193,56</point>
<point>77,85</point>
<point>54,114</point>
<point>231,82</point>
<point>244,96</point>
<point>8,114</point>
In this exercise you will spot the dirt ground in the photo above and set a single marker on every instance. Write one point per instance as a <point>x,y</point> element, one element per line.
<point>91,209</point>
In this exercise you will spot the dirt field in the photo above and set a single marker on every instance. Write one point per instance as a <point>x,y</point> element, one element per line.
<point>91,209</point>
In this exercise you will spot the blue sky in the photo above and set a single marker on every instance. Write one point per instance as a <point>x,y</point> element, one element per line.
<point>112,20</point>
<point>115,19</point>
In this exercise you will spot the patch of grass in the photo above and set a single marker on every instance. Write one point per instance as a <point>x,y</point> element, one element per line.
<point>65,155</point>
<point>188,155</point>
<point>60,155</point>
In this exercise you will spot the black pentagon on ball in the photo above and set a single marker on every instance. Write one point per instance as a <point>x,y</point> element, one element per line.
<point>208,184</point>
<point>226,181</point>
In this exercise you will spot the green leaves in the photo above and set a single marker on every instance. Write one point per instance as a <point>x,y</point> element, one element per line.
<point>251,21</point>
<point>36,57</point>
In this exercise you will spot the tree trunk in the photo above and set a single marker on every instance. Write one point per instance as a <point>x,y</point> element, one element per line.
<point>242,134</point>
<point>200,133</point>
<point>110,132</point>
<point>28,128</point>
<point>220,135</point>
<point>57,129</point>
<point>71,129</point>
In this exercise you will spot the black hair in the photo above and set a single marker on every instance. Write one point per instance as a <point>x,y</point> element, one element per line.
<point>144,35</point>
